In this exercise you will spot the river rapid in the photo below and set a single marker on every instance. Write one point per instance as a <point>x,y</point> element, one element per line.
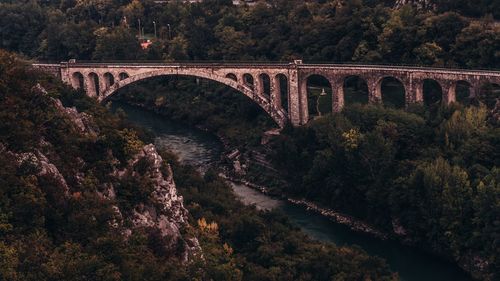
<point>203,150</point>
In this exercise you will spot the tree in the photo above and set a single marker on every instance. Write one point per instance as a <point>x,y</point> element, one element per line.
<point>117,43</point>
<point>9,261</point>
<point>429,54</point>
<point>178,48</point>
<point>485,37</point>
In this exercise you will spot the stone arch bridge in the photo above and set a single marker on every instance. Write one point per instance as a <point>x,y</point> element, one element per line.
<point>264,82</point>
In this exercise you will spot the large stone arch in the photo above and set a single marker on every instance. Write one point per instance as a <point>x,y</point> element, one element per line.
<point>304,94</point>
<point>434,91</point>
<point>462,91</point>
<point>388,98</point>
<point>264,85</point>
<point>78,80</point>
<point>278,115</point>
<point>109,79</point>
<point>357,82</point>
<point>280,91</point>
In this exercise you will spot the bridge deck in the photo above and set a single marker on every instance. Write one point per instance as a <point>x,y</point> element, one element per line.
<point>114,64</point>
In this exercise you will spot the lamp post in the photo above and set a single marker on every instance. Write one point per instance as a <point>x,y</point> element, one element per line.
<point>169,32</point>
<point>154,23</point>
<point>140,33</point>
<point>322,94</point>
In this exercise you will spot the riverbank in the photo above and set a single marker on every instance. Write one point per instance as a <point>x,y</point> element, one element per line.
<point>337,217</point>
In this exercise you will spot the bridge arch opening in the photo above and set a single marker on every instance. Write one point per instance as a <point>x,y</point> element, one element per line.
<point>319,96</point>
<point>393,92</point>
<point>463,92</point>
<point>187,97</point>
<point>77,80</point>
<point>265,86</point>
<point>489,94</point>
<point>282,80</point>
<point>93,84</point>
<point>355,90</point>
<point>432,91</point>
<point>232,76</point>
<point>278,115</point>
<point>109,79</point>
<point>123,76</point>
<point>248,80</point>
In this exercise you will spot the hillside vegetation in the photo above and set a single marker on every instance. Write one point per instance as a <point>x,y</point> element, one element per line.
<point>333,30</point>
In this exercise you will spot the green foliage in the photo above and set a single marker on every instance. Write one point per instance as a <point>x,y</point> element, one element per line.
<point>117,43</point>
<point>425,171</point>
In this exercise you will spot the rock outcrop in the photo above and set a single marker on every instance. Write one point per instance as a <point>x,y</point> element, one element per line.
<point>40,165</point>
<point>419,4</point>
<point>82,121</point>
<point>164,210</point>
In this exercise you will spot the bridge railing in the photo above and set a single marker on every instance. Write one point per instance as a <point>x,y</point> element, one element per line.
<point>272,63</point>
<point>400,65</point>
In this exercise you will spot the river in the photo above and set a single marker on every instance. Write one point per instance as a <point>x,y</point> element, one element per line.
<point>201,149</point>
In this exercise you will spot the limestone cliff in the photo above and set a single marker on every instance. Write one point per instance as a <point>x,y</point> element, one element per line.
<point>163,211</point>
<point>160,213</point>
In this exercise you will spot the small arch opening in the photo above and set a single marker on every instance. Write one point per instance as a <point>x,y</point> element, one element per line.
<point>248,80</point>
<point>462,92</point>
<point>433,93</point>
<point>232,76</point>
<point>77,80</point>
<point>489,94</point>
<point>355,90</point>
<point>319,96</point>
<point>123,76</point>
<point>94,83</point>
<point>393,92</point>
<point>283,90</point>
<point>109,79</point>
<point>265,84</point>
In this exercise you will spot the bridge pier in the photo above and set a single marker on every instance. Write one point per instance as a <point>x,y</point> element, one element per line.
<point>258,85</point>
<point>90,84</point>
<point>374,90</point>
<point>102,85</point>
<point>449,91</point>
<point>337,95</point>
<point>275,92</point>
<point>294,113</point>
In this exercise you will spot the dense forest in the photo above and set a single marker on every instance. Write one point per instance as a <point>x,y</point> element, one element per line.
<point>428,175</point>
<point>453,33</point>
